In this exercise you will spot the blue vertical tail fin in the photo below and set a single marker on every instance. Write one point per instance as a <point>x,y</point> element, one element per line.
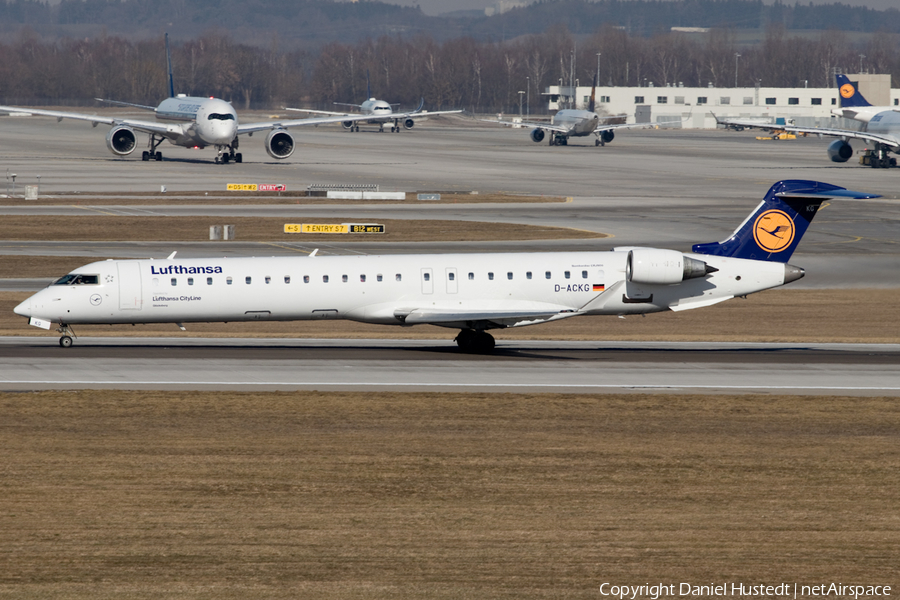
<point>773,231</point>
<point>592,103</point>
<point>169,69</point>
<point>849,93</point>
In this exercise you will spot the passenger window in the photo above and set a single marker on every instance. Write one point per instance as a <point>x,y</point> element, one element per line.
<point>451,276</point>
<point>379,277</point>
<point>547,275</point>
<point>584,274</point>
<point>471,276</point>
<point>427,276</point>
<point>228,280</point>
<point>509,275</point>
<point>528,275</point>
<point>190,281</point>
<point>306,279</point>
<point>174,281</point>
<point>324,278</point>
<point>398,277</point>
<point>344,278</point>
<point>247,280</point>
<point>268,279</point>
<point>209,281</point>
<point>567,274</point>
<point>491,276</point>
<point>287,278</point>
<point>362,278</point>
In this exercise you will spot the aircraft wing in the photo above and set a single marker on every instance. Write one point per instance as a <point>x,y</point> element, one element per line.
<point>316,112</point>
<point>287,124</point>
<point>418,113</point>
<point>545,125</point>
<point>140,125</point>
<point>748,123</point>
<point>504,317</point>
<point>887,140</point>
<point>623,126</point>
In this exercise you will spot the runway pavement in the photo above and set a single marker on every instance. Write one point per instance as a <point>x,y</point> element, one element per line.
<point>437,366</point>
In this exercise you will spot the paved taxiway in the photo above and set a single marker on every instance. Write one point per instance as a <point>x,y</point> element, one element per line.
<point>436,365</point>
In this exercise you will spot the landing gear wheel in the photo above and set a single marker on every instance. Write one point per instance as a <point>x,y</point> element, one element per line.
<point>596,142</point>
<point>476,342</point>
<point>145,156</point>
<point>238,158</point>
<point>158,156</point>
<point>65,341</point>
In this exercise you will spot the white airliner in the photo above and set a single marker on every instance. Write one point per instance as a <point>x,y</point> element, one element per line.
<point>569,122</point>
<point>378,112</point>
<point>187,121</point>
<point>470,292</point>
<point>881,127</point>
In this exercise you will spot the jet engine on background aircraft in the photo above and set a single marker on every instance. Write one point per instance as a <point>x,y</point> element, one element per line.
<point>607,136</point>
<point>408,123</point>
<point>347,124</point>
<point>121,140</point>
<point>537,135</point>
<point>279,144</point>
<point>663,267</point>
<point>839,151</point>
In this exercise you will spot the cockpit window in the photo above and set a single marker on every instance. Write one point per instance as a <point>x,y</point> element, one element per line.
<point>221,117</point>
<point>77,279</point>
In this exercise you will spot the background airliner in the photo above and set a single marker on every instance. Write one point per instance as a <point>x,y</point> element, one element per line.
<point>881,129</point>
<point>378,112</point>
<point>570,122</point>
<point>187,121</point>
<point>474,293</point>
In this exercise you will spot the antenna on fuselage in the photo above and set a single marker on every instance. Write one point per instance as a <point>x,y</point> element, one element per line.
<point>169,69</point>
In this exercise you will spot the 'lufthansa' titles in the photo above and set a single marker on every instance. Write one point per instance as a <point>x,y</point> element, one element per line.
<point>183,270</point>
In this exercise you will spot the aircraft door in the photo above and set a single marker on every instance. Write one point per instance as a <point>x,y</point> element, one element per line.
<point>427,281</point>
<point>452,284</point>
<point>130,292</point>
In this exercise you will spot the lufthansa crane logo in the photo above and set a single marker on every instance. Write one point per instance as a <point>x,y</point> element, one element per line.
<point>773,230</point>
<point>847,91</point>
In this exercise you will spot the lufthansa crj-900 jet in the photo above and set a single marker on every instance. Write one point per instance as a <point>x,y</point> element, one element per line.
<point>187,121</point>
<point>474,293</point>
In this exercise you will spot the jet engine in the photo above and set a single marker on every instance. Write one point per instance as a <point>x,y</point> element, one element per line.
<point>279,144</point>
<point>121,140</point>
<point>537,135</point>
<point>663,267</point>
<point>839,151</point>
<point>607,136</point>
<point>408,123</point>
<point>347,124</point>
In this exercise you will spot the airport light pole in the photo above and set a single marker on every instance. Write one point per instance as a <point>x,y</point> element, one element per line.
<point>736,57</point>
<point>598,67</point>
<point>528,96</point>
<point>521,93</point>
<point>861,57</point>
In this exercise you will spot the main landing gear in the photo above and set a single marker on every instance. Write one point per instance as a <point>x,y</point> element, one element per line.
<point>559,140</point>
<point>599,142</point>
<point>475,341</point>
<point>153,154</point>
<point>67,334</point>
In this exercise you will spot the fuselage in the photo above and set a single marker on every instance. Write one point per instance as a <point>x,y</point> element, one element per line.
<point>886,122</point>
<point>578,122</point>
<point>379,109</point>
<point>211,121</point>
<point>382,289</point>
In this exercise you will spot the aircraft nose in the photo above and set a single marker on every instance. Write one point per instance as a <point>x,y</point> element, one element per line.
<point>23,309</point>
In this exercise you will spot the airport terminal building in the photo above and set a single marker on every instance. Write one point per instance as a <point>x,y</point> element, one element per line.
<point>698,107</point>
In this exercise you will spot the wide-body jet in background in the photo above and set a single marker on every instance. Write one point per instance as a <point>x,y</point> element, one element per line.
<point>186,121</point>
<point>474,293</point>
<point>881,127</point>
<point>378,112</point>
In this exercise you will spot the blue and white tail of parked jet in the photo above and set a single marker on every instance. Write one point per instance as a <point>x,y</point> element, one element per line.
<point>881,127</point>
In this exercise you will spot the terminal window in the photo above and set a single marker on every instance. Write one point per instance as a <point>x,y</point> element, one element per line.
<point>662,99</point>
<point>817,102</point>
<point>701,100</point>
<point>770,100</point>
<point>748,99</point>
<point>605,99</point>
<point>679,99</point>
<point>793,100</point>
<point>638,99</point>
<point>725,100</point>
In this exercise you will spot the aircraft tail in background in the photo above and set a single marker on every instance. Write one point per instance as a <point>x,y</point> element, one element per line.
<point>849,92</point>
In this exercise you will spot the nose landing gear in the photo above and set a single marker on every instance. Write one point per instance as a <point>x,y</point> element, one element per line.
<point>67,334</point>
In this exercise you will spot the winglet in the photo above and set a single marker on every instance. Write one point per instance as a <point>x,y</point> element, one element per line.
<point>169,68</point>
<point>850,96</point>
<point>773,231</point>
<point>421,104</point>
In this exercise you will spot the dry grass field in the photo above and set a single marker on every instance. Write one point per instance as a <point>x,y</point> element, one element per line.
<point>782,315</point>
<point>165,495</point>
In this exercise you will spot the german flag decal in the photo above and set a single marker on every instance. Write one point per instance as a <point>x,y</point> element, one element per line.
<point>599,287</point>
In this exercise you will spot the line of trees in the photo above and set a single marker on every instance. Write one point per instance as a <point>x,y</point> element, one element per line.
<point>459,73</point>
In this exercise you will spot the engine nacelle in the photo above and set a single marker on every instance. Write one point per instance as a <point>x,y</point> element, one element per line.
<point>347,124</point>
<point>279,144</point>
<point>408,123</point>
<point>121,140</point>
<point>607,136</point>
<point>663,267</point>
<point>537,135</point>
<point>839,151</point>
